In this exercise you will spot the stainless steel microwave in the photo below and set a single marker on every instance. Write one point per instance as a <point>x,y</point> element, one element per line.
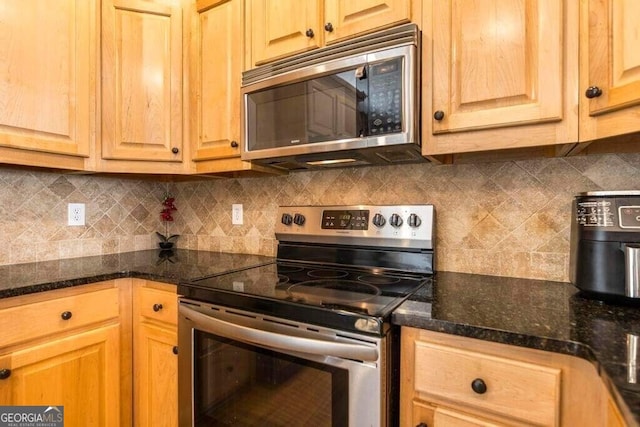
<point>349,104</point>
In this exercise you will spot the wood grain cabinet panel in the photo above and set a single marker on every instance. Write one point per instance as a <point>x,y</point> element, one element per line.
<point>47,80</point>
<point>80,372</point>
<point>58,315</point>
<point>280,28</point>
<point>216,79</point>
<point>499,74</point>
<point>156,376</point>
<point>142,111</point>
<point>522,386</point>
<point>72,360</point>
<point>350,18</point>
<point>609,63</point>
<point>155,360</point>
<point>515,389</point>
<point>283,27</point>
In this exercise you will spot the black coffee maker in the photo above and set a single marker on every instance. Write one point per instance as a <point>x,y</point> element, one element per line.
<point>605,244</point>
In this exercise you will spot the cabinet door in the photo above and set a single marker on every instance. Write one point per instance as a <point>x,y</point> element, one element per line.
<point>503,59</point>
<point>610,61</point>
<point>155,375</point>
<point>216,79</point>
<point>141,80</point>
<point>499,64</point>
<point>349,18</point>
<point>155,363</point>
<point>282,27</point>
<point>80,372</point>
<point>47,77</point>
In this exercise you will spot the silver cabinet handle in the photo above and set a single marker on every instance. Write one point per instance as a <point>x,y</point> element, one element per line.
<point>280,342</point>
<point>632,270</point>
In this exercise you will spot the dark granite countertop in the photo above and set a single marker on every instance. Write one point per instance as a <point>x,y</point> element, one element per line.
<point>165,266</point>
<point>551,316</point>
<point>543,315</point>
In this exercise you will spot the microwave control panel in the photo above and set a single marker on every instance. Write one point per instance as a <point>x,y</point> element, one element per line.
<point>385,97</point>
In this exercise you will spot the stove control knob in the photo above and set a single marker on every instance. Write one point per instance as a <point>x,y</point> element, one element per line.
<point>378,220</point>
<point>414,221</point>
<point>395,220</point>
<point>287,219</point>
<point>298,219</point>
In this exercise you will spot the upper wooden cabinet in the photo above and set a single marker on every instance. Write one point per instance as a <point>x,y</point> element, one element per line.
<point>609,68</point>
<point>348,18</point>
<point>47,82</point>
<point>142,83</point>
<point>215,77</point>
<point>278,28</point>
<point>499,74</point>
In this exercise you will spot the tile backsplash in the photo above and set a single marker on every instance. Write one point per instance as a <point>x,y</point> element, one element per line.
<point>504,218</point>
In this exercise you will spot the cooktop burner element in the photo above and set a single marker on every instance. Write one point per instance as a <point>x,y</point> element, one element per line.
<point>327,274</point>
<point>346,267</point>
<point>332,291</point>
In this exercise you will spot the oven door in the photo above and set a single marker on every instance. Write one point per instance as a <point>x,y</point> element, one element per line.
<point>242,369</point>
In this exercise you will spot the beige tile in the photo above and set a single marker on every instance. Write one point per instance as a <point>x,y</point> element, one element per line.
<point>503,218</point>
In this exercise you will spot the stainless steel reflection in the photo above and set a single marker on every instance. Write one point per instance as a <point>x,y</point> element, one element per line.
<point>632,270</point>
<point>279,341</point>
<point>632,359</point>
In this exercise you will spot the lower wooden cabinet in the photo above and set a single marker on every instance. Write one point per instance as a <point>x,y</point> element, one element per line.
<point>107,352</point>
<point>79,372</point>
<point>448,380</point>
<point>155,360</point>
<point>54,352</point>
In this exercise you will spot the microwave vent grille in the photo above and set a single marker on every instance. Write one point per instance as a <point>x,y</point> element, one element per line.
<point>402,35</point>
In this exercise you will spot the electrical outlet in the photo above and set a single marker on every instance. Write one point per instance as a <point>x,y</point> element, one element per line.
<point>236,214</point>
<point>75,214</point>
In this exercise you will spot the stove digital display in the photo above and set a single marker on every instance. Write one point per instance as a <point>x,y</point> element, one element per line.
<point>345,220</point>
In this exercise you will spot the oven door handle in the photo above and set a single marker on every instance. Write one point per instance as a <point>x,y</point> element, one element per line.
<point>281,342</point>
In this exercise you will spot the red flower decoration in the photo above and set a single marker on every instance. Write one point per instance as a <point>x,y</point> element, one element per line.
<point>169,207</point>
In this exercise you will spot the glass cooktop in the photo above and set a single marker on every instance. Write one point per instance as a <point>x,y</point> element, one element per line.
<point>282,288</point>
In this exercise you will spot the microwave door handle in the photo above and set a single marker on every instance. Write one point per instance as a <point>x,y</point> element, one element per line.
<point>279,341</point>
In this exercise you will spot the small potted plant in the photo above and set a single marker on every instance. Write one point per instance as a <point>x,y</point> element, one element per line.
<point>166,215</point>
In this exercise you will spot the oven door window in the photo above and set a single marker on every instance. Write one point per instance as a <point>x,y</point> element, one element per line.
<point>237,384</point>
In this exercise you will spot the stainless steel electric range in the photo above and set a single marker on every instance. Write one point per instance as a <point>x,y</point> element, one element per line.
<point>306,340</point>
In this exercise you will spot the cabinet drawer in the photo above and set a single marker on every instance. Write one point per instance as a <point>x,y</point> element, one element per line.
<point>514,389</point>
<point>45,318</point>
<point>158,305</point>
